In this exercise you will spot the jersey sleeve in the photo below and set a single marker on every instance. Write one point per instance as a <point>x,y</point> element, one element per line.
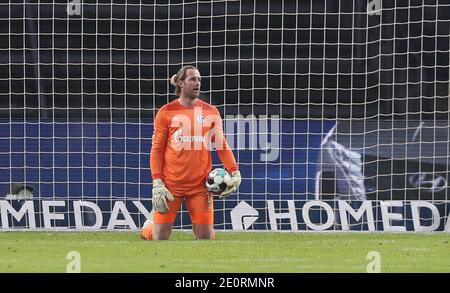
<point>224,151</point>
<point>159,140</point>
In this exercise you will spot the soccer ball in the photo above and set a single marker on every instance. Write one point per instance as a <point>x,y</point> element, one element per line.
<point>218,180</point>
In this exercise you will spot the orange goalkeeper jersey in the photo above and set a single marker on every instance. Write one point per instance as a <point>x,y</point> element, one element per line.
<point>181,145</point>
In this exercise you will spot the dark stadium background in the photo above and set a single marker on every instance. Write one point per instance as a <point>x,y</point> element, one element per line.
<point>120,66</point>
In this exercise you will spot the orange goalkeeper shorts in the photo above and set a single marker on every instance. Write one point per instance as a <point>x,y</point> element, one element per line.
<point>199,205</point>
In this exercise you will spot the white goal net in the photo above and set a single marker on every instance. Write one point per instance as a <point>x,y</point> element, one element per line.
<point>337,111</point>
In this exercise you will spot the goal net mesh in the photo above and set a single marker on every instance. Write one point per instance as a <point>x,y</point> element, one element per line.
<point>321,100</point>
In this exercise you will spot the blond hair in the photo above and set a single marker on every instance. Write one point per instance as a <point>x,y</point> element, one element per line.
<point>180,76</point>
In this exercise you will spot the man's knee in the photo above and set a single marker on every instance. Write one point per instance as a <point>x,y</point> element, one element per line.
<point>204,236</point>
<point>161,236</point>
<point>204,233</point>
<point>162,231</point>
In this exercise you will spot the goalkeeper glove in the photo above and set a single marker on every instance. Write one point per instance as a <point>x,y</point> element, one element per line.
<point>160,194</point>
<point>233,185</point>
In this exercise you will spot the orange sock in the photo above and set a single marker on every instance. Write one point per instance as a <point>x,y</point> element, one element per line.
<point>146,232</point>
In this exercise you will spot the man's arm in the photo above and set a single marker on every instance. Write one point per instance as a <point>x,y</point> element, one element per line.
<point>226,156</point>
<point>160,194</point>
<point>159,140</point>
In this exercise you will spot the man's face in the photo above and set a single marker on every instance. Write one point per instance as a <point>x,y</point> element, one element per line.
<point>190,86</point>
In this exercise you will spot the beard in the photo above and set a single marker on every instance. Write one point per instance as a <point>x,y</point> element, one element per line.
<point>192,95</point>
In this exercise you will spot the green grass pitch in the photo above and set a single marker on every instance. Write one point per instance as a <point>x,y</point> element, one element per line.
<point>231,252</point>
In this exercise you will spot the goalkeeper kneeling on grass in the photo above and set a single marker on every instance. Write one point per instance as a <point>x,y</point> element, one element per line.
<point>180,159</point>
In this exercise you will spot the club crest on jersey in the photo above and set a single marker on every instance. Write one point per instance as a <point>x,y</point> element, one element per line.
<point>200,119</point>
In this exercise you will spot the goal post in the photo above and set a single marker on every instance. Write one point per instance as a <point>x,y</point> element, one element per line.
<point>337,111</point>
